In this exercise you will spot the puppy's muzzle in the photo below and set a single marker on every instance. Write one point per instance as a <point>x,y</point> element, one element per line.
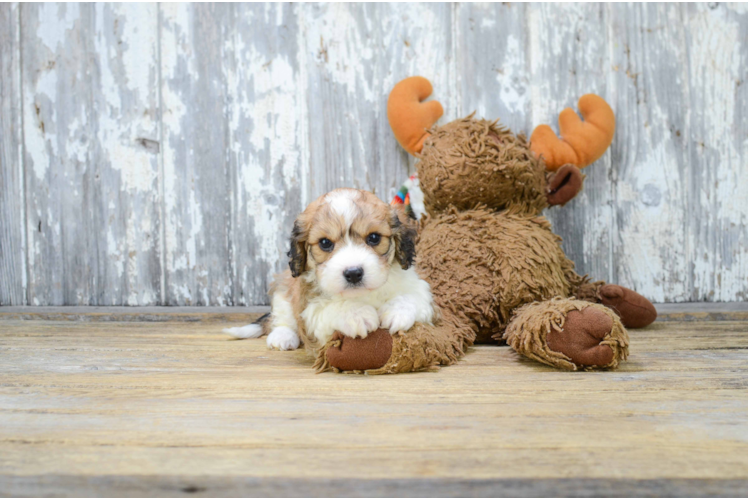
<point>354,275</point>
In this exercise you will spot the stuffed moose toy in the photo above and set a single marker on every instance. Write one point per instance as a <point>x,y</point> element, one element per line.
<point>497,271</point>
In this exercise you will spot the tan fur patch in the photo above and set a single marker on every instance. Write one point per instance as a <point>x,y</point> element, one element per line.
<point>369,215</point>
<point>471,162</point>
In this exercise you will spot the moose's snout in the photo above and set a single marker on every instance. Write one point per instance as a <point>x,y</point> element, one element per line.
<point>564,184</point>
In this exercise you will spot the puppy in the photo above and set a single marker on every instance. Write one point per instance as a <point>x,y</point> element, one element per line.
<point>351,270</point>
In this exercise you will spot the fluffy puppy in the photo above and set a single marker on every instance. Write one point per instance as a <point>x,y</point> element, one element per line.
<point>351,270</point>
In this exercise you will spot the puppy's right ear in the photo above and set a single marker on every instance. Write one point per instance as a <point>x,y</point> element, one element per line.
<point>297,253</point>
<point>404,233</point>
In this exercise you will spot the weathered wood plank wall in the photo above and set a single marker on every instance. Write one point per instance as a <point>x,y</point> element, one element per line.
<point>12,216</point>
<point>157,154</point>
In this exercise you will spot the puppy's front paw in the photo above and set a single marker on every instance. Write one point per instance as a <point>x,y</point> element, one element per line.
<point>283,338</point>
<point>397,315</point>
<point>358,322</point>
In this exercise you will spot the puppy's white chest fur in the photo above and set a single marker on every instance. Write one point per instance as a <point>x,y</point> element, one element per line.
<point>403,300</point>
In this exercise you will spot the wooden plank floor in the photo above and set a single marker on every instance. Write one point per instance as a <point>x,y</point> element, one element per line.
<point>174,408</point>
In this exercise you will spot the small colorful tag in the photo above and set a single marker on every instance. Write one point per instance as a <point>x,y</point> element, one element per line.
<point>411,196</point>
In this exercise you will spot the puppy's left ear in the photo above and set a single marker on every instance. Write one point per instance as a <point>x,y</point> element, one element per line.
<point>297,253</point>
<point>404,235</point>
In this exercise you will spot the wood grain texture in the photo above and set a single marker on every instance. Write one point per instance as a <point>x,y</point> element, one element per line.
<point>493,62</point>
<point>177,406</point>
<point>195,40</point>
<point>91,129</point>
<point>716,39</point>
<point>125,109</point>
<point>682,311</point>
<point>59,134</point>
<point>651,189</point>
<point>12,210</point>
<point>267,139</point>
<point>210,486</point>
<point>208,314</point>
<point>162,152</point>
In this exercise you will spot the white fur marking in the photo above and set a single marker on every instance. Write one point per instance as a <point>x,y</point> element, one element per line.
<point>342,203</point>
<point>330,274</point>
<point>252,331</point>
<point>282,311</point>
<point>399,314</point>
<point>357,321</point>
<point>283,339</point>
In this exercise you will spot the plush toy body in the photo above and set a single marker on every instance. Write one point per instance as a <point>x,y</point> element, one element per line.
<point>497,271</point>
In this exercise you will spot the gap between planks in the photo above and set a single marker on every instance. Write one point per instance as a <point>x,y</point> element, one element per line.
<point>687,311</point>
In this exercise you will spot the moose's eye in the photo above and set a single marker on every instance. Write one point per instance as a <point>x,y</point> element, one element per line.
<point>373,239</point>
<point>326,245</point>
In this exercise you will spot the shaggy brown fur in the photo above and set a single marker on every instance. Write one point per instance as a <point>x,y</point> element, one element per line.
<point>528,332</point>
<point>483,264</point>
<point>472,162</point>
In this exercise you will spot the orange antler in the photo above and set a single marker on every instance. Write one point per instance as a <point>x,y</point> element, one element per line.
<point>582,142</point>
<point>408,116</point>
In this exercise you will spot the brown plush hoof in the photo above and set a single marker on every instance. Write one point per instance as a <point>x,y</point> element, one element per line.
<point>581,336</point>
<point>634,310</point>
<point>360,354</point>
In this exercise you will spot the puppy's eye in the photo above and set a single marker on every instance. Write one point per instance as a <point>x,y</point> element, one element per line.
<point>326,245</point>
<point>373,239</point>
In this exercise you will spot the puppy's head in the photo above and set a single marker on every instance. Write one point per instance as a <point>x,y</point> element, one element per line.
<point>347,240</point>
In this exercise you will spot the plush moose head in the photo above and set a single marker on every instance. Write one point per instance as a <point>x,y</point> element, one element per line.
<point>470,162</point>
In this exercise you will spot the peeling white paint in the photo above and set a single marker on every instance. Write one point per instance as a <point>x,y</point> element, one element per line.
<point>265,87</point>
<point>511,90</point>
<point>275,129</point>
<point>174,33</point>
<point>738,8</point>
<point>56,21</point>
<point>653,233</point>
<point>114,252</point>
<point>40,139</point>
<point>717,64</point>
<point>136,167</point>
<point>336,40</point>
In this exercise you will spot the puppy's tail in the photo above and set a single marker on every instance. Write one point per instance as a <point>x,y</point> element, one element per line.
<point>251,331</point>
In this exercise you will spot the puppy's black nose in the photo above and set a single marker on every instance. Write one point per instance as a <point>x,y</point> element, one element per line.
<point>353,275</point>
